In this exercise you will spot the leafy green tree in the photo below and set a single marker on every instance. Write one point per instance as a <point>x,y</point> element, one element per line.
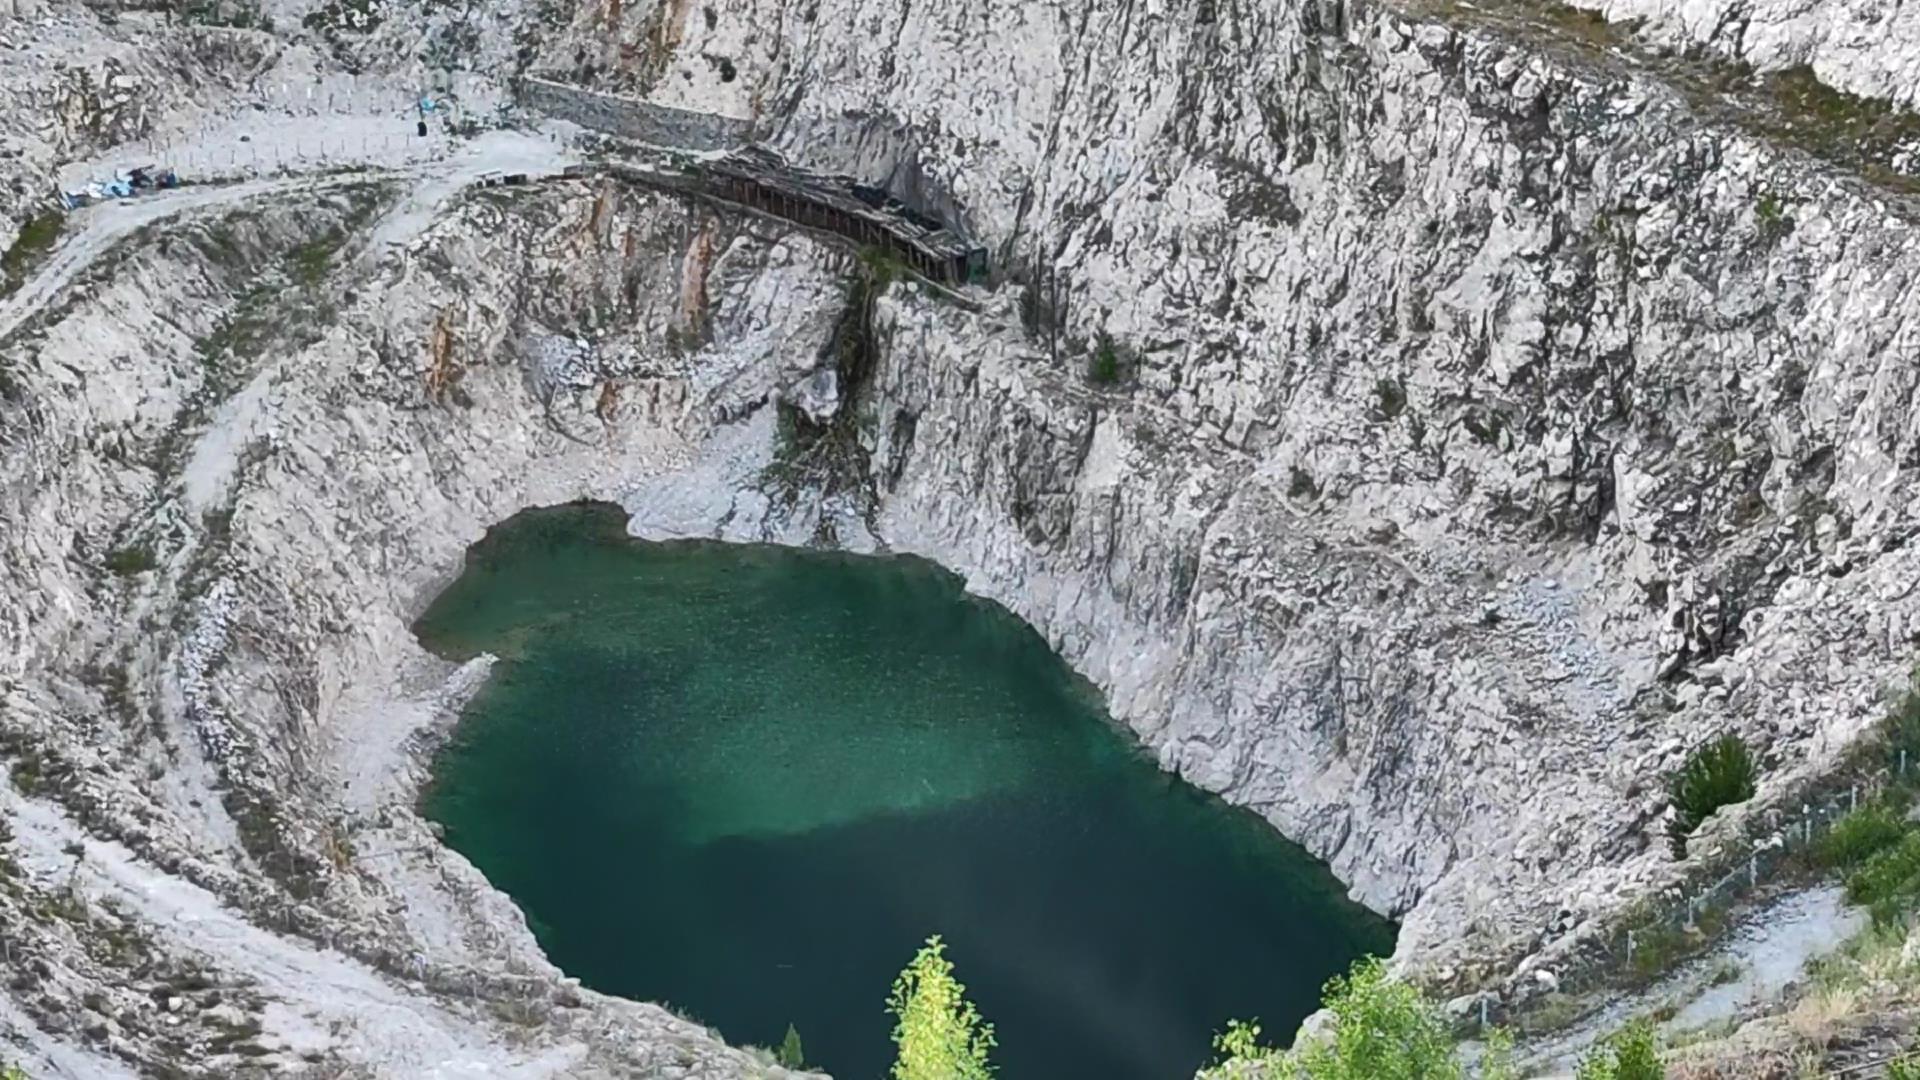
<point>1632,1053</point>
<point>791,1055</point>
<point>1718,774</point>
<point>1383,1029</point>
<point>938,1031</point>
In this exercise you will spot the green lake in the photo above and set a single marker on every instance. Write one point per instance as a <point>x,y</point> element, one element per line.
<point>749,781</point>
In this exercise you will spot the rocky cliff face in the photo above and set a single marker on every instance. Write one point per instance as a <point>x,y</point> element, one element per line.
<point>1492,426</point>
<point>1424,438</point>
<point>224,500</point>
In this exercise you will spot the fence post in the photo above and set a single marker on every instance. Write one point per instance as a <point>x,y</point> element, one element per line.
<point>1853,798</point>
<point>1483,1014</point>
<point>1753,869</point>
<point>1629,948</point>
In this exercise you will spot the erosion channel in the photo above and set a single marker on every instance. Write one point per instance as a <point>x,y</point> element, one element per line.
<point>750,780</point>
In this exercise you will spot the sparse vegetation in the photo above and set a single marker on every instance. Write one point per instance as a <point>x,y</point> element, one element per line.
<point>939,1033</point>
<point>1300,484</point>
<point>1889,881</point>
<point>1496,1061</point>
<point>1721,773</point>
<point>881,266</point>
<point>336,16</point>
<point>37,237</point>
<point>1106,367</point>
<point>1390,399</point>
<point>131,560</point>
<point>1632,1053</point>
<point>1860,836</point>
<point>1771,214</point>
<point>28,773</point>
<point>1484,426</point>
<point>238,14</point>
<point>1836,114</point>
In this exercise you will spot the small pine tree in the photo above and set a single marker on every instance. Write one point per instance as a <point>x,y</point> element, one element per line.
<point>790,1055</point>
<point>1718,774</point>
<point>938,1031</point>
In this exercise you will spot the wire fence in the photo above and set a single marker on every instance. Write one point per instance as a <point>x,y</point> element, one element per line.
<point>1776,849</point>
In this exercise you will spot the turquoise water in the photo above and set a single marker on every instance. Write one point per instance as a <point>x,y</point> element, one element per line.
<point>748,781</point>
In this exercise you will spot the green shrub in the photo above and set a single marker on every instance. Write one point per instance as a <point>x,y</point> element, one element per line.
<point>938,1031</point>
<point>1905,1069</point>
<point>1632,1053</point>
<point>1860,836</point>
<point>1657,947</point>
<point>1721,773</point>
<point>37,238</point>
<point>883,267</point>
<point>1390,399</point>
<point>1771,214</point>
<point>1496,1063</point>
<point>1383,1029</point>
<point>1105,367</point>
<point>1889,880</point>
<point>131,560</point>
